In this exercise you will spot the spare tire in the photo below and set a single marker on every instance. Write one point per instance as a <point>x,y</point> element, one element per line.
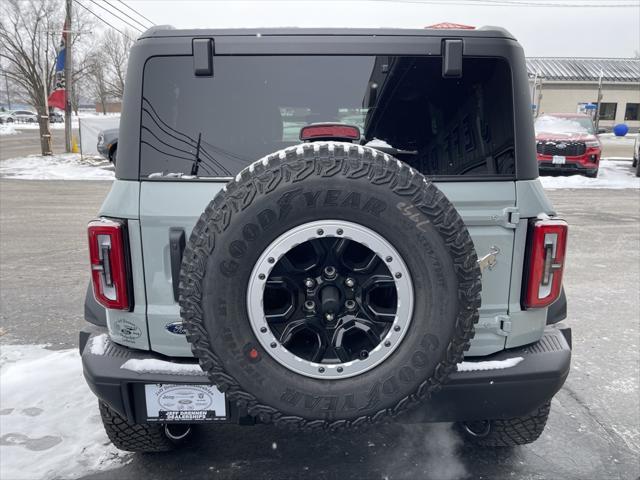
<point>329,285</point>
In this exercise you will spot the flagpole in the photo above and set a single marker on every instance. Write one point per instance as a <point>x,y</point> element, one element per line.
<point>68,80</point>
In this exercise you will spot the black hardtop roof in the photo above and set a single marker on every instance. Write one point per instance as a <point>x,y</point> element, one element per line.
<point>482,32</point>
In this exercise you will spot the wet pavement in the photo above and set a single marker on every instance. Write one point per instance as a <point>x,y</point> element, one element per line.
<point>593,430</point>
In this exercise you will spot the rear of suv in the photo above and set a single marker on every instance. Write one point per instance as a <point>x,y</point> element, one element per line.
<point>325,229</point>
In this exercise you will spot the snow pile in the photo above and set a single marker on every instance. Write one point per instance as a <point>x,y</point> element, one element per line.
<point>67,166</point>
<point>151,365</point>
<point>611,139</point>
<point>489,365</point>
<point>7,129</point>
<point>49,421</point>
<point>615,174</point>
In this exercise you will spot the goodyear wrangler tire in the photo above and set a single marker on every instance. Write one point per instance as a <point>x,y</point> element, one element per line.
<point>329,285</point>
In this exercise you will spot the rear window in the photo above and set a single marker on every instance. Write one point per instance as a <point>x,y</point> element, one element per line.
<point>256,105</point>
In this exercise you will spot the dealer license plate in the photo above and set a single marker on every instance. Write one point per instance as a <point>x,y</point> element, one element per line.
<point>559,159</point>
<point>184,403</point>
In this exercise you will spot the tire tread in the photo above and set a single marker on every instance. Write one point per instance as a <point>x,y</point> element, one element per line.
<point>327,159</point>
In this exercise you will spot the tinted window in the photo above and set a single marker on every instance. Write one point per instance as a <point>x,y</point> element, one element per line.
<point>255,105</point>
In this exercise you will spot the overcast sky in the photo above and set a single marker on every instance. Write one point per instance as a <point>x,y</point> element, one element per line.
<point>543,31</point>
<point>608,31</point>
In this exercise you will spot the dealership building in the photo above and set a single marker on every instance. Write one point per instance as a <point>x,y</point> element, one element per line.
<point>570,85</point>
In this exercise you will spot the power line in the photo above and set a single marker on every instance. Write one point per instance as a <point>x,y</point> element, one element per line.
<point>137,12</point>
<point>114,15</point>
<point>102,19</point>
<point>125,14</point>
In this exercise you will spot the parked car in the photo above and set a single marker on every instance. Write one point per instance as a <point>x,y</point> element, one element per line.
<point>567,143</point>
<point>636,154</point>
<point>331,279</point>
<point>56,117</point>
<point>25,116</point>
<point>7,117</point>
<point>108,144</point>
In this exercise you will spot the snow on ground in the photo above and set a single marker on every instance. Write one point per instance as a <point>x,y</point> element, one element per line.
<point>611,139</point>
<point>49,421</point>
<point>60,125</point>
<point>7,129</point>
<point>615,174</point>
<point>69,166</point>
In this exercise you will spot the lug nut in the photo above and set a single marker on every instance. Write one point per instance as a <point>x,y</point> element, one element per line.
<point>330,272</point>
<point>350,305</point>
<point>329,317</point>
<point>309,283</point>
<point>310,305</point>
<point>349,282</point>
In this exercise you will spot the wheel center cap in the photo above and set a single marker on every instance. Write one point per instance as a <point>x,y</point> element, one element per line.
<point>330,300</point>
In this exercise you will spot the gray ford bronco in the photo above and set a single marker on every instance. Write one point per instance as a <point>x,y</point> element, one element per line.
<point>323,230</point>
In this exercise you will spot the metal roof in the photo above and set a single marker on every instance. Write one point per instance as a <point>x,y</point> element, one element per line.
<point>585,69</point>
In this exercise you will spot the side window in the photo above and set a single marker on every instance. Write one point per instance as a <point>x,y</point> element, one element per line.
<point>632,112</point>
<point>608,111</point>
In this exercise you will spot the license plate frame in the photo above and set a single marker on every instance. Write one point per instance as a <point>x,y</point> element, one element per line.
<point>184,403</point>
<point>559,160</point>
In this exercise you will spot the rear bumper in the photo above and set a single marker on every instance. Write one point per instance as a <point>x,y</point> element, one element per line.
<point>473,395</point>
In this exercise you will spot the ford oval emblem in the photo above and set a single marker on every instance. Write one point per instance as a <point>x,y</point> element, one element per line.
<point>176,328</point>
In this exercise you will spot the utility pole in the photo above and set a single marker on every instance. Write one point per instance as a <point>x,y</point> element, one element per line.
<point>599,99</point>
<point>68,78</point>
<point>540,79</point>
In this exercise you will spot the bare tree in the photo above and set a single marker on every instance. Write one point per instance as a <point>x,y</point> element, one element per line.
<point>116,51</point>
<point>30,33</point>
<point>28,52</point>
<point>97,76</point>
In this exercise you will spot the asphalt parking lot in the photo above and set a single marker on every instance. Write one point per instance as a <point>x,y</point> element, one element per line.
<point>593,428</point>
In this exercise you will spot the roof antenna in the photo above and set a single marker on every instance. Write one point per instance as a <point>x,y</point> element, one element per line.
<point>196,162</point>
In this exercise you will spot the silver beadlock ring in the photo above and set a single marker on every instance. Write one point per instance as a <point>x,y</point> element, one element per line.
<point>322,229</point>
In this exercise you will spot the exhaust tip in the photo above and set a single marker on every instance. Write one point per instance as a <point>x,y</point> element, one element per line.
<point>477,429</point>
<point>177,432</point>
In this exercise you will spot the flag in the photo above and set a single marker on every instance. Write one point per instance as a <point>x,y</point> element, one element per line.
<point>58,97</point>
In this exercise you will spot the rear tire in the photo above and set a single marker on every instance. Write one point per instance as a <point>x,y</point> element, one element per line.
<point>637,168</point>
<point>141,437</point>
<point>113,155</point>
<point>275,199</point>
<point>509,432</point>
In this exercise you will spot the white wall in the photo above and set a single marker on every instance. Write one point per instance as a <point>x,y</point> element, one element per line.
<point>565,97</point>
<point>90,127</point>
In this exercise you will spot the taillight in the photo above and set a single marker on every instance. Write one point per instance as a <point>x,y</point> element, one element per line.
<point>109,258</point>
<point>547,246</point>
